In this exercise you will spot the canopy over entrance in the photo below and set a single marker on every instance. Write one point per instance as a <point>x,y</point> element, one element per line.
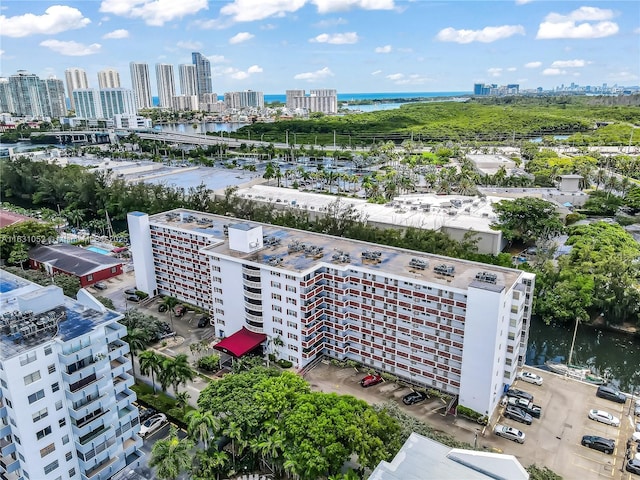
<point>241,342</point>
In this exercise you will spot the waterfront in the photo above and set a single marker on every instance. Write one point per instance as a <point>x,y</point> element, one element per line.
<point>611,354</point>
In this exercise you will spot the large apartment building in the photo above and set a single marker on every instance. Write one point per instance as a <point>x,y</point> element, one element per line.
<point>66,406</point>
<point>455,325</point>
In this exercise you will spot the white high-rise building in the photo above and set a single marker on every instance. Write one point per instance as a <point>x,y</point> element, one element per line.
<point>76,78</point>
<point>66,404</point>
<point>438,322</point>
<point>322,100</point>
<point>57,105</point>
<point>246,99</point>
<point>141,84</point>
<point>87,102</point>
<point>114,101</point>
<point>108,78</point>
<point>166,84</point>
<point>203,73</point>
<point>188,79</point>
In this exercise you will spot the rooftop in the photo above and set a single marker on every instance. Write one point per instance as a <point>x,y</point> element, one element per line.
<point>71,259</point>
<point>31,315</point>
<point>300,251</point>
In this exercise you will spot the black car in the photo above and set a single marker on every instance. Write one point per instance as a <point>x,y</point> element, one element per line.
<point>611,393</point>
<point>133,298</point>
<point>517,414</point>
<point>633,466</point>
<point>414,397</point>
<point>602,444</point>
<point>514,392</point>
<point>130,291</point>
<point>203,322</point>
<point>146,413</point>
<point>100,285</point>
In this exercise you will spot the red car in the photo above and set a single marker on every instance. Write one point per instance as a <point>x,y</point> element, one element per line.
<point>370,380</point>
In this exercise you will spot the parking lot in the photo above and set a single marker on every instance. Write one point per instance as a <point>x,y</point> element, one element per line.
<point>552,441</point>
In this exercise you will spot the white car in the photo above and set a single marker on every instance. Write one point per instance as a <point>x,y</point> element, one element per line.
<point>604,417</point>
<point>530,378</point>
<point>509,433</point>
<point>152,424</point>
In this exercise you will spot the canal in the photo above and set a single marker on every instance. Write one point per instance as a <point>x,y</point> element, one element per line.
<point>613,355</point>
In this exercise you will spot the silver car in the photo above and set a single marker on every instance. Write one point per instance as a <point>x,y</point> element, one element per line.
<point>604,417</point>
<point>509,433</point>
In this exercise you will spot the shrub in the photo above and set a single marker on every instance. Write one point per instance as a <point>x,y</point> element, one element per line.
<point>210,363</point>
<point>572,218</point>
<point>285,363</point>
<point>142,295</point>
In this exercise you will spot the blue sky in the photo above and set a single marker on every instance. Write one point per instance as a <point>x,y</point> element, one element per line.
<point>351,45</point>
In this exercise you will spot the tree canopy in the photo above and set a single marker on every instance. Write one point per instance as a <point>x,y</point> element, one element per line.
<point>527,219</point>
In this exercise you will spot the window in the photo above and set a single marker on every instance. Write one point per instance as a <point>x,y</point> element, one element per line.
<point>293,325</point>
<point>40,415</point>
<point>27,358</point>
<point>3,383</point>
<point>47,450</point>
<point>68,456</point>
<point>277,320</point>
<point>276,296</point>
<point>51,368</point>
<point>90,277</point>
<point>34,397</point>
<point>292,313</point>
<point>9,404</point>
<point>47,350</point>
<point>65,439</point>
<point>219,300</point>
<point>51,467</point>
<point>55,387</point>
<point>292,301</point>
<point>293,348</point>
<point>277,331</point>
<point>276,308</point>
<point>62,422</point>
<point>292,336</point>
<point>43,433</point>
<point>114,269</point>
<point>291,288</point>
<point>72,472</point>
<point>32,377</point>
<point>58,404</point>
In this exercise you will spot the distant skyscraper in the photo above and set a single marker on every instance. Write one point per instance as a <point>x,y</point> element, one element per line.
<point>323,100</point>
<point>76,78</point>
<point>115,101</point>
<point>108,78</point>
<point>166,84</point>
<point>245,99</point>
<point>6,100</point>
<point>203,73</point>
<point>87,102</point>
<point>26,93</point>
<point>55,99</point>
<point>141,85</point>
<point>188,79</point>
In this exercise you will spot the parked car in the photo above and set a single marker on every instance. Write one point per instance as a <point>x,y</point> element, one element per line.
<point>152,424</point>
<point>602,444</point>
<point>534,410</point>
<point>509,433</point>
<point>604,417</point>
<point>131,291</point>
<point>633,466</point>
<point>611,393</point>
<point>203,322</point>
<point>414,397</point>
<point>133,298</point>
<point>162,308</point>
<point>530,378</point>
<point>100,285</point>
<point>514,392</point>
<point>370,380</point>
<point>146,413</point>
<point>517,414</point>
<point>179,310</point>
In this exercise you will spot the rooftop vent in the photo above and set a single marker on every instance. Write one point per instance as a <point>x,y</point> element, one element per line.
<point>418,263</point>
<point>486,277</point>
<point>372,256</point>
<point>446,270</point>
<point>341,257</point>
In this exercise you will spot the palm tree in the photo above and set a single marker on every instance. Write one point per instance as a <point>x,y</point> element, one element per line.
<point>202,425</point>
<point>176,371</point>
<point>182,400</point>
<point>234,432</point>
<point>151,363</point>
<point>170,303</point>
<point>210,464</point>
<point>137,339</point>
<point>171,456</point>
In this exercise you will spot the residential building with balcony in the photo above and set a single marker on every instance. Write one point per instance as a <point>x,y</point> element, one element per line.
<point>66,404</point>
<point>437,322</point>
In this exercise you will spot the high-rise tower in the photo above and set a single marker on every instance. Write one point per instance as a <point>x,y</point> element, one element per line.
<point>108,78</point>
<point>141,84</point>
<point>188,79</point>
<point>203,73</point>
<point>166,84</point>
<point>76,78</point>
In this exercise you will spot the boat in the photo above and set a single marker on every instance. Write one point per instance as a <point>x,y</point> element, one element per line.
<point>584,374</point>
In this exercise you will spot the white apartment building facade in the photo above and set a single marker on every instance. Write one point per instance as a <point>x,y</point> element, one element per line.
<point>455,325</point>
<point>245,99</point>
<point>141,84</point>
<point>66,406</point>
<point>319,100</point>
<point>166,83</point>
<point>76,78</point>
<point>108,78</point>
<point>87,103</point>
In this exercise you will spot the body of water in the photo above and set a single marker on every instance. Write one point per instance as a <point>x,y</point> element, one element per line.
<point>610,354</point>
<point>353,97</point>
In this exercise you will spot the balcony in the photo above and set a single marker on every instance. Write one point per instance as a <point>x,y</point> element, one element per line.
<point>93,366</point>
<point>115,331</point>
<point>82,408</point>
<point>98,435</point>
<point>75,353</point>
<point>251,284</point>
<point>95,424</point>
<point>5,430</point>
<point>7,447</point>
<point>9,463</point>
<point>122,381</point>
<point>119,366</point>
<point>12,476</point>
<point>94,473</point>
<point>118,349</point>
<point>3,410</point>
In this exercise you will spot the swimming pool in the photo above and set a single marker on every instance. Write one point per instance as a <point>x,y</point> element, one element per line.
<point>98,250</point>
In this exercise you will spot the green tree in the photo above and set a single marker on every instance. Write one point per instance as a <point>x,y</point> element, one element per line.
<point>176,371</point>
<point>182,400</point>
<point>137,340</point>
<point>527,219</point>
<point>151,364</point>
<point>201,426</point>
<point>171,457</point>
<point>19,255</point>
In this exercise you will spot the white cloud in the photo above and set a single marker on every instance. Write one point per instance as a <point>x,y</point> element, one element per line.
<point>623,76</point>
<point>585,22</point>
<point>254,69</point>
<point>71,49</point>
<point>494,71</point>
<point>239,75</point>
<point>533,65</point>
<point>120,33</point>
<point>236,73</point>
<point>569,63</point>
<point>327,6</point>
<point>314,76</point>
<point>252,10</point>
<point>554,71</point>
<point>2,52</point>
<point>56,19</point>
<point>189,45</point>
<point>377,72</point>
<point>637,31</point>
<point>511,69</point>
<point>241,37</point>
<point>523,2</point>
<point>336,38</point>
<point>486,35</point>
<point>395,76</point>
<point>385,49</point>
<point>331,22</point>
<point>154,12</point>
<point>217,59</point>
<point>412,79</point>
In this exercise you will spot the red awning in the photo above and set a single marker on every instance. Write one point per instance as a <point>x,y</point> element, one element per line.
<point>119,249</point>
<point>241,342</point>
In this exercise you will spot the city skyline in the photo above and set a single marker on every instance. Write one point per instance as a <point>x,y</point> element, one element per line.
<point>275,45</point>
